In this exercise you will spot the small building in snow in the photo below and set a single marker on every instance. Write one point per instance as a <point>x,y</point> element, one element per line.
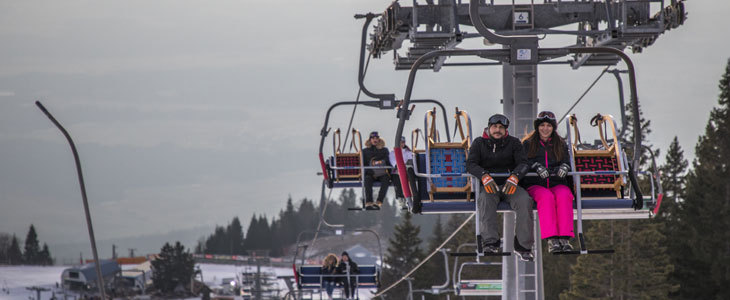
<point>138,277</point>
<point>83,278</point>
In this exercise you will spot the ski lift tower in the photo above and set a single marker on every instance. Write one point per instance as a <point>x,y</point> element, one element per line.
<point>516,25</point>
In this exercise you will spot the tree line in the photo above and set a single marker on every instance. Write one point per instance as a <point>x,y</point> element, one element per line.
<point>32,253</point>
<point>273,236</point>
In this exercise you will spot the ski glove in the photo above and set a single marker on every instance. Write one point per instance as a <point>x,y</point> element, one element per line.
<point>563,170</point>
<point>489,185</point>
<point>541,170</point>
<point>510,186</point>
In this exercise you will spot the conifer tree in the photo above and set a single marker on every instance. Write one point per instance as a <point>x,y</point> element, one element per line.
<point>403,254</point>
<point>32,248</point>
<point>348,198</point>
<point>234,235</point>
<point>264,233</point>
<point>673,179</point>
<point>172,268</point>
<point>215,244</point>
<point>15,257</point>
<point>702,239</point>
<point>433,272</point>
<point>638,269</point>
<point>45,256</point>
<point>252,242</point>
<point>308,215</point>
<point>289,227</point>
<point>4,246</point>
<point>627,139</point>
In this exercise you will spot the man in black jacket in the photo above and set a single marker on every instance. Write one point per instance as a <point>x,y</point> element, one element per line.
<point>498,152</point>
<point>375,155</point>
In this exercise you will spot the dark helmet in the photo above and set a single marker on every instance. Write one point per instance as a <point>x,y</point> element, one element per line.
<point>498,119</point>
<point>546,116</point>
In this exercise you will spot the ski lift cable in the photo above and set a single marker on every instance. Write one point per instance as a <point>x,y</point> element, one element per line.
<point>357,100</point>
<point>427,258</point>
<point>583,95</point>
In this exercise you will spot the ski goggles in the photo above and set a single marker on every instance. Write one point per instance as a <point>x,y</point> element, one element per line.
<point>499,119</point>
<point>546,115</point>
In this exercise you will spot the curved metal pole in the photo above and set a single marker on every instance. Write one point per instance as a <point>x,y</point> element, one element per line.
<point>361,73</point>
<point>324,131</point>
<point>476,20</point>
<point>377,237</point>
<point>617,73</point>
<point>406,100</point>
<point>446,268</point>
<point>632,88</point>
<point>323,202</point>
<point>100,283</point>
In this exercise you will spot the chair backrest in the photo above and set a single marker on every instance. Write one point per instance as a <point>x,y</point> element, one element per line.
<point>447,158</point>
<point>607,157</point>
<point>309,275</point>
<point>352,159</point>
<point>368,275</point>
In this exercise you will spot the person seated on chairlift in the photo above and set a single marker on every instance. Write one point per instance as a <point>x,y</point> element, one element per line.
<point>407,155</point>
<point>329,268</point>
<point>349,268</point>
<point>376,155</point>
<point>547,153</point>
<point>498,152</point>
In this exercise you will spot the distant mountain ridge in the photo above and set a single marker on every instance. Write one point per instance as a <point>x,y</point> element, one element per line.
<point>68,254</point>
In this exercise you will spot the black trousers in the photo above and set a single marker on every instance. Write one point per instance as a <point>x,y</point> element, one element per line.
<point>350,288</point>
<point>384,184</point>
<point>396,185</point>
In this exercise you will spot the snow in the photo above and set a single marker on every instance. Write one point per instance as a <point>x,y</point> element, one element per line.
<point>15,279</point>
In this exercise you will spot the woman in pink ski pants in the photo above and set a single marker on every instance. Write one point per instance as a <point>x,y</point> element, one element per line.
<point>547,155</point>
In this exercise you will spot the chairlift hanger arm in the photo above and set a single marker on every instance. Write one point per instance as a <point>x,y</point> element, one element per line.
<point>324,131</point>
<point>361,71</point>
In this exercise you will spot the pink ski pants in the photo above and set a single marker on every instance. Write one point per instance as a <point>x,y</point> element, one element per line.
<point>555,209</point>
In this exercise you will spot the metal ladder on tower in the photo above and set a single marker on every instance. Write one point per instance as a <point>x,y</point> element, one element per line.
<point>519,87</point>
<point>529,274</point>
<point>523,15</point>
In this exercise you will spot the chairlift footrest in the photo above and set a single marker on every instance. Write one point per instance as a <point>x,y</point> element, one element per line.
<point>573,252</point>
<point>484,254</point>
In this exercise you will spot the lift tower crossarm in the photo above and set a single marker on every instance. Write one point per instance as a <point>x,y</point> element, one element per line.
<point>634,24</point>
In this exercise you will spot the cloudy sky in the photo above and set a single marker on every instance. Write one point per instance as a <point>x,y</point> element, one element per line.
<point>188,113</point>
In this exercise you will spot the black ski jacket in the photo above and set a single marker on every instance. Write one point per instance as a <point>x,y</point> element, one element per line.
<point>547,158</point>
<point>375,152</point>
<point>505,155</point>
<point>342,269</point>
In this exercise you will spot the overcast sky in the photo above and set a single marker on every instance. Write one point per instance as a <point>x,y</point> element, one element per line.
<point>188,113</point>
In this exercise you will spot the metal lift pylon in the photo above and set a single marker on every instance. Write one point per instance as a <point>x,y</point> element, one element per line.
<point>630,24</point>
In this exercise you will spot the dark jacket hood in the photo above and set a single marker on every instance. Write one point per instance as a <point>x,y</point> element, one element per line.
<point>379,145</point>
